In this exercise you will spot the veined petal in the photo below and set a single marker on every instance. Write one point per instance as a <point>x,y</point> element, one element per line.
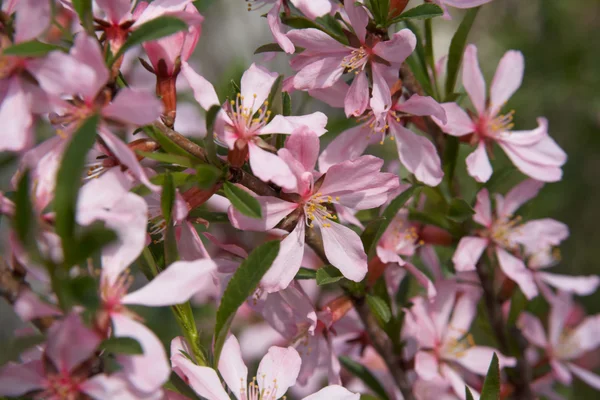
<point>316,41</point>
<point>321,72</point>
<point>269,167</point>
<point>483,209</point>
<point>333,392</point>
<point>518,196</point>
<point>175,285</point>
<point>358,18</point>
<point>468,252</point>
<point>273,211</point>
<point>255,86</point>
<point>348,145</point>
<point>357,98</point>
<point>478,164</point>
<point>418,155</point>
<point>381,96</point>
<point>232,367</point>
<point>344,250</point>
<point>516,270</point>
<point>398,48</point>
<point>133,107</point>
<point>473,79</point>
<point>507,79</point>
<point>458,121</point>
<point>279,124</point>
<point>277,29</point>
<point>278,370</point>
<point>18,379</point>
<point>423,106</point>
<point>204,91</point>
<point>303,145</point>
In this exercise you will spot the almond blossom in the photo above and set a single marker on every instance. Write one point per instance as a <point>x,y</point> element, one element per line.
<point>356,184</point>
<point>324,60</point>
<point>534,152</point>
<point>244,119</point>
<point>564,345</point>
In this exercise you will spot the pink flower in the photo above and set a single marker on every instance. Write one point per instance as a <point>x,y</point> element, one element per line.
<point>445,347</point>
<point>325,60</point>
<point>276,372</point>
<point>458,4</point>
<point>533,152</point>
<point>505,234</point>
<point>242,121</point>
<point>416,152</point>
<point>563,345</point>
<point>356,184</point>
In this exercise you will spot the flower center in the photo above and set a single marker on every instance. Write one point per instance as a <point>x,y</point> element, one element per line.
<point>458,347</point>
<point>269,392</point>
<point>356,60</point>
<point>112,294</point>
<point>245,121</point>
<point>62,386</point>
<point>491,127</point>
<point>502,229</point>
<point>316,211</point>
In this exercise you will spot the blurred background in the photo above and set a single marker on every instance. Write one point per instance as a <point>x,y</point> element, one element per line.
<point>560,42</point>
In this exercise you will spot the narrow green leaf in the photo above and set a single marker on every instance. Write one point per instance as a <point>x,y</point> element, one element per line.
<point>379,308</point>
<point>468,394</point>
<point>268,48</point>
<point>422,11</point>
<point>68,181</point>
<point>209,140</point>
<point>240,287</point>
<point>275,101</point>
<point>306,273</point>
<point>91,240</point>
<point>24,222</point>
<point>450,157</point>
<point>167,198</point>
<point>33,48</point>
<point>84,291</point>
<point>83,8</point>
<point>121,345</point>
<point>328,274</point>
<point>209,216</point>
<point>370,232</point>
<point>460,210</point>
<point>457,49</point>
<point>242,201</point>
<point>207,175</point>
<point>287,104</point>
<point>420,73</point>
<point>518,302</point>
<point>389,214</point>
<point>171,159</point>
<point>154,29</point>
<point>491,385</point>
<point>365,375</point>
<point>166,144</point>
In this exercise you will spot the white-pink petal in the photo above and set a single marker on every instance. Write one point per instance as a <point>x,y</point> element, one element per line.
<point>418,155</point>
<point>288,260</point>
<point>255,86</point>
<point>268,167</point>
<point>332,392</point>
<point>478,164</point>
<point>278,370</point>
<point>398,48</point>
<point>516,270</point>
<point>273,210</point>
<point>204,91</point>
<point>468,252</point>
<point>507,79</point>
<point>133,107</point>
<point>344,250</point>
<point>232,367</point>
<point>473,79</point>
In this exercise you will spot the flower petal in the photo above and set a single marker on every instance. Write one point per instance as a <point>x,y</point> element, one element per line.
<point>426,365</point>
<point>507,79</point>
<point>344,250</point>
<point>204,91</point>
<point>357,98</point>
<point>518,196</point>
<point>273,211</point>
<point>315,122</point>
<point>587,376</point>
<point>579,285</point>
<point>478,164</point>
<point>277,29</point>
<point>478,358</point>
<point>532,329</point>
<point>278,370</point>
<point>15,112</point>
<point>317,41</point>
<point>304,146</point>
<point>458,121</point>
<point>398,48</point>
<point>483,209</point>
<point>18,379</point>
<point>255,86</point>
<point>358,18</point>
<point>33,18</point>
<point>321,72</point>
<point>288,261</point>
<point>473,79</point>
<point>65,353</point>
<point>232,367</point>
<point>422,106</point>
<point>333,392</point>
<point>133,107</point>
<point>348,145</point>
<point>516,270</point>
<point>268,167</point>
<point>418,155</point>
<point>468,252</point>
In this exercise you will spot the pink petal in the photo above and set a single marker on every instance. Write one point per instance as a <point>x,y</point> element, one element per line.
<point>315,122</point>
<point>116,10</point>
<point>389,256</point>
<point>588,377</point>
<point>18,379</point>
<point>230,248</point>
<point>579,285</point>
<point>358,18</point>
<point>456,381</point>
<point>583,339</point>
<point>15,112</point>
<point>102,386</point>
<point>313,8</point>
<point>473,79</point>
<point>483,209</point>
<point>277,29</point>
<point>344,250</point>
<point>204,91</point>
<point>561,372</point>
<point>381,99</point>
<point>333,95</point>
<point>174,285</point>
<point>204,380</point>
<point>465,3</point>
<point>255,86</point>
<point>518,196</point>
<point>532,329</point>
<point>232,367</point>
<point>136,367</point>
<point>398,48</point>
<point>29,306</point>
<point>333,392</point>
<point>516,270</point>
<point>422,279</point>
<point>441,307</point>
<point>478,164</point>
<point>278,370</point>
<point>88,52</point>
<point>426,365</point>
<point>33,18</point>
<point>358,183</point>
<point>422,106</point>
<point>304,146</point>
<point>65,352</point>
<point>322,72</point>
<point>465,311</point>
<point>288,261</point>
<point>357,98</point>
<point>268,167</point>
<point>418,155</point>
<point>507,79</point>
<point>477,359</point>
<point>133,107</point>
<point>468,252</point>
<point>348,145</point>
<point>559,312</point>
<point>458,121</point>
<point>273,211</point>
<point>163,7</point>
<point>317,41</point>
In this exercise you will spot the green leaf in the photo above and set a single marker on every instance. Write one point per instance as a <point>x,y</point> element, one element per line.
<point>33,48</point>
<point>122,345</point>
<point>167,158</point>
<point>420,73</point>
<point>365,375</point>
<point>207,175</point>
<point>370,232</point>
<point>154,29</point>
<point>423,11</point>
<point>176,384</point>
<point>83,8</point>
<point>460,210</point>
<point>468,393</point>
<point>306,273</point>
<point>268,48</point>
<point>491,385</point>
<point>68,181</point>
<point>91,240</point>
<point>518,302</point>
<point>389,214</point>
<point>240,287</point>
<point>167,198</point>
<point>457,49</point>
<point>209,140</point>
<point>242,201</point>
<point>287,104</point>
<point>328,274</point>
<point>25,221</point>
<point>209,216</point>
<point>275,100</point>
<point>379,308</point>
<point>84,291</point>
<point>166,144</point>
<point>450,157</point>
<point>298,22</point>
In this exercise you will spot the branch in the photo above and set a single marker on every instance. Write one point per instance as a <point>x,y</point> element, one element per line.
<point>181,141</point>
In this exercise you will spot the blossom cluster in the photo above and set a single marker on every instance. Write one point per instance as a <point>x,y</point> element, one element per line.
<point>331,273</point>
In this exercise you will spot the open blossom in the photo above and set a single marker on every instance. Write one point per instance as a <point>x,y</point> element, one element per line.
<point>441,330</point>
<point>277,371</point>
<point>564,345</point>
<point>416,152</point>
<point>504,233</point>
<point>244,119</point>
<point>356,184</point>
<point>534,152</point>
<point>324,60</point>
